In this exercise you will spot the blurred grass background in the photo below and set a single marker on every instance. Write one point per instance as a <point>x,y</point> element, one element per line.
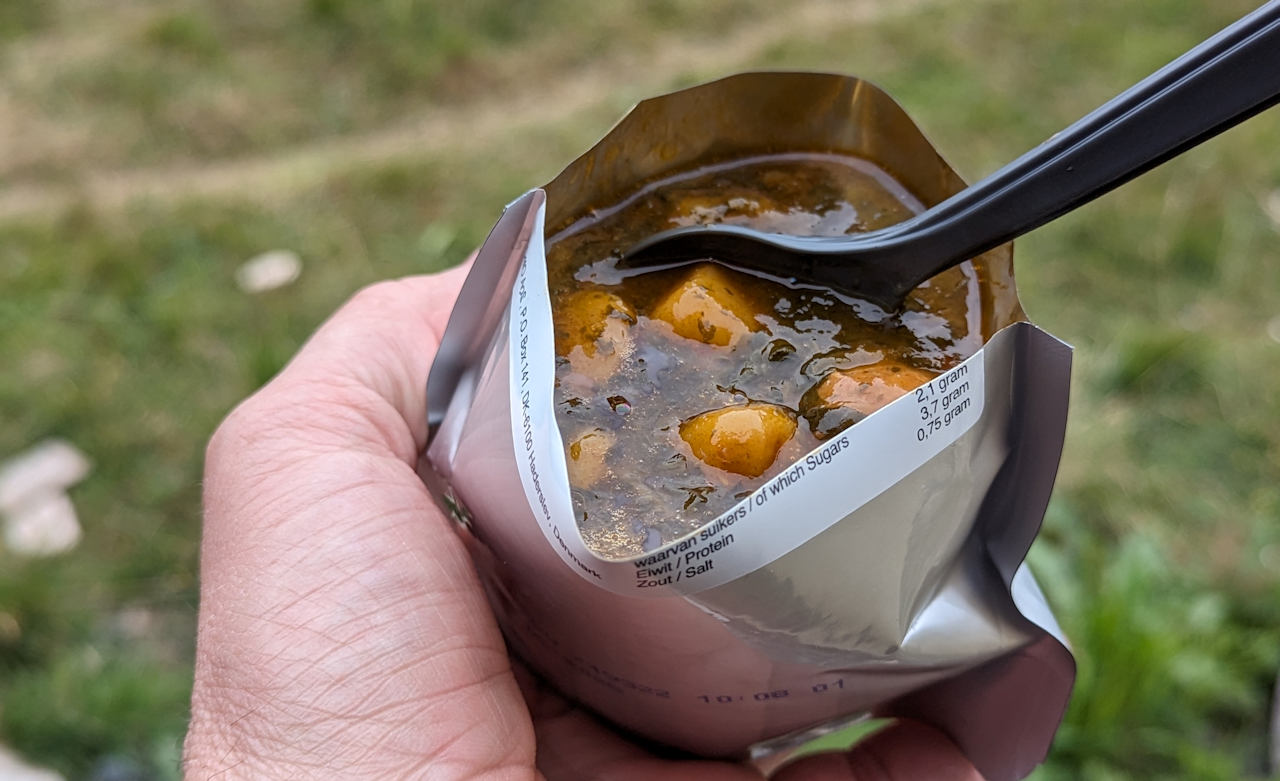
<point>149,147</point>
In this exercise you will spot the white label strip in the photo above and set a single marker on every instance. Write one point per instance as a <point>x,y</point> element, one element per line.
<point>539,449</point>
<point>826,485</point>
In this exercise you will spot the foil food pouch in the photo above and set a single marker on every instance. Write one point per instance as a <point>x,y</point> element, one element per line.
<point>879,575</point>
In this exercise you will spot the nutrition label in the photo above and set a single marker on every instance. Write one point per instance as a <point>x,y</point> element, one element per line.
<point>811,495</point>
<point>943,401</point>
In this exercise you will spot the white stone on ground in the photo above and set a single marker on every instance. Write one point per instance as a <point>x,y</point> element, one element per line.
<point>12,768</point>
<point>45,525</point>
<point>1272,207</point>
<point>36,515</point>
<point>269,271</point>
<point>51,465</point>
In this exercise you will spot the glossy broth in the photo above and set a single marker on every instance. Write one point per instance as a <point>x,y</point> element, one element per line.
<point>640,358</point>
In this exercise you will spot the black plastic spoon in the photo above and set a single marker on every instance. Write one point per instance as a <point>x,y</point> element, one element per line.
<point>1219,83</point>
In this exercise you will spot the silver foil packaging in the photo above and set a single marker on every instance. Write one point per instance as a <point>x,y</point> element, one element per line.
<point>881,575</point>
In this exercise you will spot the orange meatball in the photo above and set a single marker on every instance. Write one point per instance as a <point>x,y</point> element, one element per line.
<point>587,455</point>
<point>709,306</point>
<point>743,439</point>
<point>846,396</point>
<point>593,330</point>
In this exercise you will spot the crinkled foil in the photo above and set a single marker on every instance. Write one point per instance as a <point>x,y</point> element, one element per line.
<point>910,599</point>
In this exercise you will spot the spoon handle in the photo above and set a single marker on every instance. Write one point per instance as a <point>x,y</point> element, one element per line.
<point>1223,81</point>
<point>1219,83</point>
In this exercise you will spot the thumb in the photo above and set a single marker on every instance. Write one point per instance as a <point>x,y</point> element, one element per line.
<point>342,629</point>
<point>374,355</point>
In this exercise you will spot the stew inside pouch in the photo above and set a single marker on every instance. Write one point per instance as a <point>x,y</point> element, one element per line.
<point>679,392</point>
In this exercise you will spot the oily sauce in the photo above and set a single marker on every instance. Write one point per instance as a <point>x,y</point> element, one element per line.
<point>679,392</point>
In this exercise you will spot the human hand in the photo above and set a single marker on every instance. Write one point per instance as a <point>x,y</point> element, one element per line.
<point>343,632</point>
